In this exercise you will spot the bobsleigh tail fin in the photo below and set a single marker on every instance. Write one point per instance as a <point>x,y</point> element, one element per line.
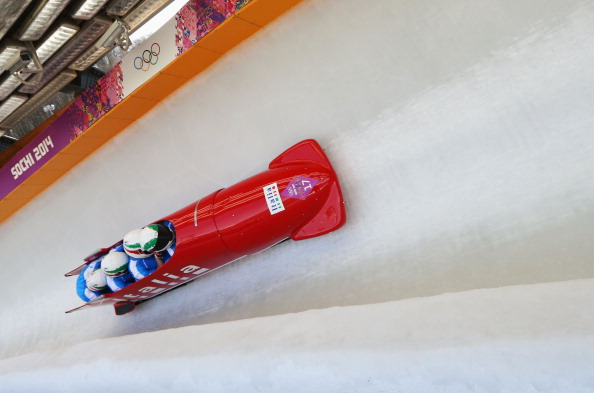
<point>77,308</point>
<point>330,217</point>
<point>91,257</point>
<point>76,272</point>
<point>102,251</point>
<point>120,308</point>
<point>89,303</point>
<point>307,150</point>
<point>96,254</point>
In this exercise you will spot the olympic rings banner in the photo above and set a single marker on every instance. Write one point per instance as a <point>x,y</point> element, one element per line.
<point>194,20</point>
<point>148,58</point>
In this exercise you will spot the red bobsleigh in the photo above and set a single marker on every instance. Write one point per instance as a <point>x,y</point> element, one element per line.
<point>298,197</point>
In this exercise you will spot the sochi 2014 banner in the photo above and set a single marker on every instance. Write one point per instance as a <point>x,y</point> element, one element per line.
<point>194,20</point>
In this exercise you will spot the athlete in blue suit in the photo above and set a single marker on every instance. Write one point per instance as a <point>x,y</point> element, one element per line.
<point>116,269</point>
<point>91,282</point>
<point>158,242</point>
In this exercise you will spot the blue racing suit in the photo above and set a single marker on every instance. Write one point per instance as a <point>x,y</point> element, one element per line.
<point>142,267</point>
<point>81,283</point>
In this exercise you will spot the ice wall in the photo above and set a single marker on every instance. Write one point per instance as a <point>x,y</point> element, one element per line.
<point>504,340</point>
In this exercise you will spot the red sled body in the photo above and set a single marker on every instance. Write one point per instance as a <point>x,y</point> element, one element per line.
<point>298,197</point>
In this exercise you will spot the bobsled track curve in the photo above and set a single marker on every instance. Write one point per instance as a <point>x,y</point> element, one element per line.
<point>461,132</point>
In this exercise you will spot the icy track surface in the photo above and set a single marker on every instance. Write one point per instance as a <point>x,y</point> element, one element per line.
<point>462,133</point>
<point>514,339</point>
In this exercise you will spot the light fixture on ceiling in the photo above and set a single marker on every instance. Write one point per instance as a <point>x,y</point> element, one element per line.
<point>10,11</point>
<point>157,21</point>
<point>88,58</point>
<point>50,45</point>
<point>11,104</point>
<point>22,67</point>
<point>39,99</point>
<point>24,62</point>
<point>40,19</point>
<point>89,32</point>
<point>120,7</point>
<point>86,9</point>
<point>7,86</point>
<point>130,22</point>
<point>57,39</point>
<point>116,35</point>
<point>7,52</point>
<point>143,12</point>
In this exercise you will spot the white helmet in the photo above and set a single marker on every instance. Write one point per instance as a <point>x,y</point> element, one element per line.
<point>155,237</point>
<point>132,244</point>
<point>115,263</point>
<point>96,280</point>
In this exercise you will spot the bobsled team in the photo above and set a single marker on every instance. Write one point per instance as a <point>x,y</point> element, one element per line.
<point>141,253</point>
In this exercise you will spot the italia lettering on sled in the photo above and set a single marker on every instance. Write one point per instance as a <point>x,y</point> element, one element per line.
<point>297,197</point>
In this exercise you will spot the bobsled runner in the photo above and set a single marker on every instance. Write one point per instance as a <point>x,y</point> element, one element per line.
<point>298,197</point>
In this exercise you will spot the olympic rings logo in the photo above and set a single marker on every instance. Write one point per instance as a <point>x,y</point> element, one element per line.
<point>148,58</point>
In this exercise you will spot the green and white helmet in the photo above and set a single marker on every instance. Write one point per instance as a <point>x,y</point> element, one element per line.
<point>155,238</point>
<point>115,263</point>
<point>132,245</point>
<point>96,280</point>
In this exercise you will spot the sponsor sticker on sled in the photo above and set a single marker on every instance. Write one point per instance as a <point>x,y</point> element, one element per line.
<point>300,187</point>
<point>273,198</point>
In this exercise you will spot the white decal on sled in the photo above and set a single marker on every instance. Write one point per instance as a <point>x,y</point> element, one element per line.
<point>273,198</point>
